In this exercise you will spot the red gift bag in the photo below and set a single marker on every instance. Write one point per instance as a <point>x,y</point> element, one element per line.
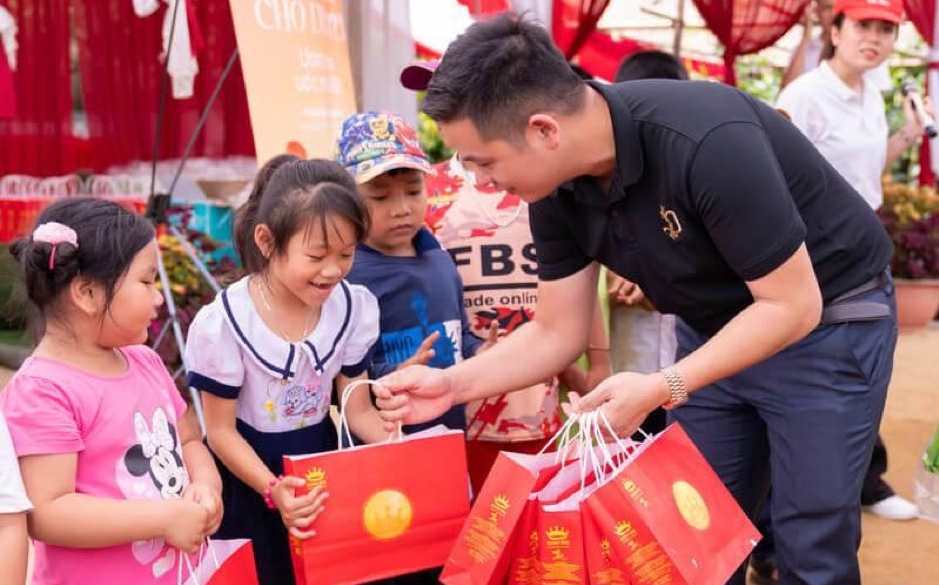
<point>525,550</point>
<point>394,508</point>
<point>666,517</point>
<point>560,543</point>
<point>480,553</point>
<point>601,567</point>
<point>223,562</point>
<point>550,543</point>
<point>500,520</point>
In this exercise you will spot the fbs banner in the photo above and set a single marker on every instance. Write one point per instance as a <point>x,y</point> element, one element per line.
<point>295,59</point>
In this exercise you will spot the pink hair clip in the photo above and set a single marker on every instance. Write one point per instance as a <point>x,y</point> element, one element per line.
<point>55,233</point>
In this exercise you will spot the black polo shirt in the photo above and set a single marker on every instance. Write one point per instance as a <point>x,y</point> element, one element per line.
<point>712,188</point>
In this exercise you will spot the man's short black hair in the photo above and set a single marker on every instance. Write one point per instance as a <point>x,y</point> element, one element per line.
<point>500,72</point>
<point>650,65</point>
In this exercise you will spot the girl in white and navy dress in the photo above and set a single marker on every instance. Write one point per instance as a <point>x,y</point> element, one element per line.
<point>266,352</point>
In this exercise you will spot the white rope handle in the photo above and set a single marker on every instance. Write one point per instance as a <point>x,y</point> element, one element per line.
<point>596,452</point>
<point>193,576</point>
<point>589,458</point>
<point>561,437</point>
<point>602,445</point>
<point>626,455</point>
<point>208,545</point>
<point>564,441</point>
<point>192,570</point>
<point>344,420</point>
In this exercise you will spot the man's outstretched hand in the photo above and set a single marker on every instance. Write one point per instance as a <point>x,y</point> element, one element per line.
<point>415,394</point>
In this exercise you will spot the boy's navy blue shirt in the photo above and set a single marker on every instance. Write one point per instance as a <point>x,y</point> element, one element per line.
<point>417,295</point>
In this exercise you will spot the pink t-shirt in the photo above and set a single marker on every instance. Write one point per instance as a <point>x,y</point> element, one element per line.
<point>123,429</point>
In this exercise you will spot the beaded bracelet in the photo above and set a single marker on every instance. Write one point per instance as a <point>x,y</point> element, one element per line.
<point>268,501</point>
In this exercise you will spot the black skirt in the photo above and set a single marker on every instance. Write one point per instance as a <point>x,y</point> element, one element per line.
<point>246,514</point>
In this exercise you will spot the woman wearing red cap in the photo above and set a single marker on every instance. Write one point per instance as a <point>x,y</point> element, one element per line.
<point>838,108</point>
<point>843,114</point>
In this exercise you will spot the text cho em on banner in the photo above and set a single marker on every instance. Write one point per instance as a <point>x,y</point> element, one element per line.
<point>295,59</point>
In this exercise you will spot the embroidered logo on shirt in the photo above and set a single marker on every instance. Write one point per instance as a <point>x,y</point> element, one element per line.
<point>290,399</point>
<point>301,400</point>
<point>670,223</point>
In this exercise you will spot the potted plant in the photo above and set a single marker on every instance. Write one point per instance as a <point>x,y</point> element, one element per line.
<point>911,217</point>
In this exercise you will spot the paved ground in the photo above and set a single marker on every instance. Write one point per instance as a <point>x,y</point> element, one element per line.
<point>896,553</point>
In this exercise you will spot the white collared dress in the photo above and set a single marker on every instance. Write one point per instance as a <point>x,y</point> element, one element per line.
<point>284,392</point>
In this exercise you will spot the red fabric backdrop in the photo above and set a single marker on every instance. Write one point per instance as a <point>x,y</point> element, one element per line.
<point>748,26</point>
<point>119,75</point>
<point>118,55</point>
<point>575,21</point>
<point>38,141</point>
<point>922,13</point>
<point>574,29</point>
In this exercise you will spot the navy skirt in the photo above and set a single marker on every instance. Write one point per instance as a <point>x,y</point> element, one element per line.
<point>246,515</point>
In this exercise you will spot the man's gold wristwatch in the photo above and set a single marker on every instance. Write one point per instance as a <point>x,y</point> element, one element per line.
<point>677,392</point>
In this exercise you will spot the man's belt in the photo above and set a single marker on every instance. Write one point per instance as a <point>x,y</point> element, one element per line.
<point>845,309</point>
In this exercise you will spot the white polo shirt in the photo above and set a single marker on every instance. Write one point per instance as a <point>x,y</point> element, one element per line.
<point>848,127</point>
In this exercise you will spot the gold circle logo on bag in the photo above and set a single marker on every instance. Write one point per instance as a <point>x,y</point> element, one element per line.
<point>387,514</point>
<point>691,505</point>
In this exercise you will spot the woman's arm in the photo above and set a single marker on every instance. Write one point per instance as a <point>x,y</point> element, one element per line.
<point>908,135</point>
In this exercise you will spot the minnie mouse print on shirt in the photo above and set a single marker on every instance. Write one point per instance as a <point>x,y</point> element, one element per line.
<point>152,468</point>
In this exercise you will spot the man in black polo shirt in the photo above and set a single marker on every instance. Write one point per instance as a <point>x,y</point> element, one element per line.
<point>725,215</point>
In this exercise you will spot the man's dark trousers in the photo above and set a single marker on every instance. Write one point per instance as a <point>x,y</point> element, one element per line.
<point>810,416</point>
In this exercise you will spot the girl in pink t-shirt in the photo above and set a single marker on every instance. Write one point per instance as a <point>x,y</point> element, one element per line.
<point>119,480</point>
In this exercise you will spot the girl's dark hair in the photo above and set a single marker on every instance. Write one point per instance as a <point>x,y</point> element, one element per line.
<point>246,217</point>
<point>297,193</point>
<point>828,51</point>
<point>108,237</point>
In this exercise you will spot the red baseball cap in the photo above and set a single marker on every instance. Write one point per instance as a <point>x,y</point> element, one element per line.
<point>888,10</point>
<point>417,75</point>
